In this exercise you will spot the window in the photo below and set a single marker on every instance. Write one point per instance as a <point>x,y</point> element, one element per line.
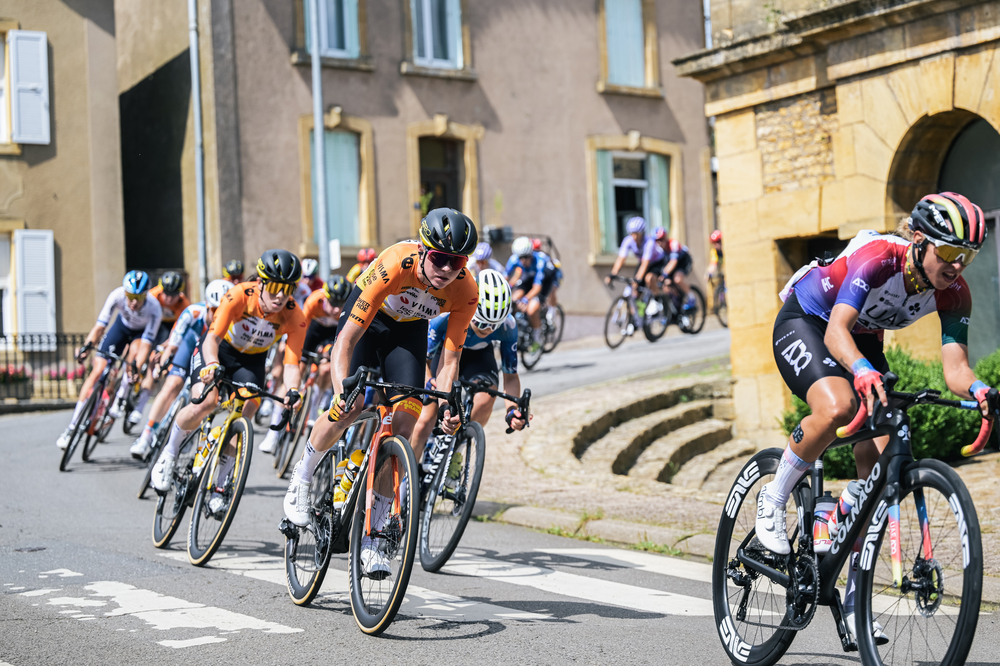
<point>338,28</point>
<point>342,187</point>
<point>27,89</point>
<point>437,33</point>
<point>630,61</point>
<point>34,281</point>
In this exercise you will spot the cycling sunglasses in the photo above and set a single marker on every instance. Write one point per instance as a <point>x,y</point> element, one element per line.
<point>135,297</point>
<point>952,253</point>
<point>283,288</point>
<point>486,327</point>
<point>445,261</point>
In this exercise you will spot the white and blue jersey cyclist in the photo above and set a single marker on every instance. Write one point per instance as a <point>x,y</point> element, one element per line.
<point>184,337</point>
<point>532,270</point>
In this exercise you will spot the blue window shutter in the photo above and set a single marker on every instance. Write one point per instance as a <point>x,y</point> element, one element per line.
<point>626,42</point>
<point>352,45</point>
<point>606,211</point>
<point>454,33</point>
<point>417,14</point>
<point>343,181</point>
<point>659,191</point>
<point>29,87</point>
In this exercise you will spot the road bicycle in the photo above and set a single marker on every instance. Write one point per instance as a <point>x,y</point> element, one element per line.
<point>95,421</point>
<point>719,304</point>
<point>163,434</point>
<point>551,327</point>
<point>270,384</point>
<point>294,433</point>
<point>389,469</point>
<point>922,588</point>
<point>448,501</point>
<point>554,320</point>
<point>689,319</point>
<point>631,312</point>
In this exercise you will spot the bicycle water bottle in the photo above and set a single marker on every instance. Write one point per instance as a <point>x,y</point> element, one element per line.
<point>847,500</point>
<point>205,448</point>
<point>823,516</point>
<point>640,307</point>
<point>347,470</point>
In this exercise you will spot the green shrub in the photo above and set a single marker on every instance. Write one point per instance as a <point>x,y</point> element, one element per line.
<point>936,431</point>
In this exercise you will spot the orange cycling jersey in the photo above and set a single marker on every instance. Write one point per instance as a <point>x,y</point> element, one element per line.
<point>241,323</point>
<point>318,309</point>
<point>170,312</point>
<point>392,284</point>
<point>356,270</point>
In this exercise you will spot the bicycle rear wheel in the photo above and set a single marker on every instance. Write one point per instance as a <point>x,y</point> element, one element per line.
<point>171,505</point>
<point>379,579</point>
<point>932,617</point>
<point>616,323</point>
<point>654,326</point>
<point>308,556</point>
<point>692,321</point>
<point>554,331</point>
<point>208,527</point>
<point>96,432</point>
<point>447,510</point>
<point>82,425</point>
<point>162,435</point>
<point>749,607</point>
<point>130,399</point>
<point>721,308</point>
<point>296,432</point>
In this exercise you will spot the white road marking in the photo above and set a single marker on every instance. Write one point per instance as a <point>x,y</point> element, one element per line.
<point>191,642</point>
<point>631,559</point>
<point>61,573</point>
<point>581,587</point>
<point>40,593</point>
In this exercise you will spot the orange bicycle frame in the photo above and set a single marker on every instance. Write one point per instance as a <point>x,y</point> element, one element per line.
<point>385,430</point>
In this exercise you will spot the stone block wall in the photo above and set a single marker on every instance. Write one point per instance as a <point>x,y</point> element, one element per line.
<point>795,139</point>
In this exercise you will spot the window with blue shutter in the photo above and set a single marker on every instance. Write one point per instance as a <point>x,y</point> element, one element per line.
<point>338,28</point>
<point>625,43</point>
<point>343,182</point>
<point>437,33</point>
<point>29,86</point>
<point>659,191</point>
<point>35,283</point>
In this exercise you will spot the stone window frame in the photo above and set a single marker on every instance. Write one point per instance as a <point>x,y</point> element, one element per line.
<point>6,25</point>
<point>653,87</point>
<point>443,128</point>
<point>367,213</point>
<point>632,142</point>
<point>300,55</point>
<point>410,68</point>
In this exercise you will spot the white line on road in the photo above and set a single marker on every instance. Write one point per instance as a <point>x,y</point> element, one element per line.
<point>630,559</point>
<point>191,642</point>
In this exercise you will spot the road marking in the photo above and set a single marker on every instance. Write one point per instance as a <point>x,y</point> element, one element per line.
<point>40,593</point>
<point>61,573</point>
<point>418,602</point>
<point>581,587</point>
<point>204,640</point>
<point>631,559</point>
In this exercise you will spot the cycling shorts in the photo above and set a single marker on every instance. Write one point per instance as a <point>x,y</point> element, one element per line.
<point>684,265</point>
<point>399,348</point>
<point>657,267</point>
<point>180,362</point>
<point>117,338</point>
<point>318,335</point>
<point>548,283</point>
<point>163,334</point>
<point>802,356</point>
<point>242,369</point>
<point>474,362</point>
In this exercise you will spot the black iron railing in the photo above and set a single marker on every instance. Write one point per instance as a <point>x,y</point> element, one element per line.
<point>40,367</point>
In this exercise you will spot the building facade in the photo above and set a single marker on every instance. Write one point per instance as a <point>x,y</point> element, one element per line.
<point>831,118</point>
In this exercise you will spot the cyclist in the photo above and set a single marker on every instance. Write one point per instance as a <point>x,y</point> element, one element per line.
<point>828,340</point>
<point>252,317</point>
<point>483,259</point>
<point>365,257</point>
<point>384,324</point>
<point>678,265</point>
<point>138,317</point>
<point>531,275</point>
<point>715,269</point>
<point>651,256</point>
<point>308,284</point>
<point>184,337</point>
<point>491,323</point>
<point>233,271</point>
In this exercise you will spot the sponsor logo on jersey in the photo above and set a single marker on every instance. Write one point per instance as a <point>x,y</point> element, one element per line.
<point>797,356</point>
<point>827,284</point>
<point>362,304</point>
<point>860,284</point>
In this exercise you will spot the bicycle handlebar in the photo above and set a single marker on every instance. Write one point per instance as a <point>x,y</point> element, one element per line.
<point>523,402</point>
<point>357,383</point>
<point>219,380</point>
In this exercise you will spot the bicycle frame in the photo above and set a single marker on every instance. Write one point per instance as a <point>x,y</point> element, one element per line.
<point>101,384</point>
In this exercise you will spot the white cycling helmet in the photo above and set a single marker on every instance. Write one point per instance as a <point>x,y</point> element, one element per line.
<point>636,225</point>
<point>309,267</point>
<point>483,252</point>
<point>521,246</point>
<point>215,291</point>
<point>494,298</point>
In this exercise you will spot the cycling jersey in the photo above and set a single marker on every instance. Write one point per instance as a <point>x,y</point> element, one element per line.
<point>535,268</point>
<point>318,309</point>
<point>193,320</point>
<point>145,319</point>
<point>677,251</point>
<point>506,335</point>
<point>869,276</point>
<point>242,324</point>
<point>392,286</point>
<point>650,251</point>
<point>302,292</point>
<point>355,272</point>
<point>170,312</point>
<point>490,263</point>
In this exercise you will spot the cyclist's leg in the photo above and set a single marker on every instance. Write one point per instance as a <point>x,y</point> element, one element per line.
<point>403,361</point>
<point>478,363</point>
<point>428,414</point>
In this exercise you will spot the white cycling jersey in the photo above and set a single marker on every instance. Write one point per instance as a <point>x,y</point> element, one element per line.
<point>147,318</point>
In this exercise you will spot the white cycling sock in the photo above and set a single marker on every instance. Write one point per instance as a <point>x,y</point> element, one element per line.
<point>140,403</point>
<point>852,577</point>
<point>276,414</point>
<point>381,507</point>
<point>310,458</point>
<point>80,404</point>
<point>177,435</point>
<point>790,470</point>
<point>123,389</point>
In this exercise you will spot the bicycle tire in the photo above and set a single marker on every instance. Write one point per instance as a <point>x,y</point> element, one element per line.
<point>693,321</point>
<point>617,319</point>
<point>554,333</point>
<point>203,545</point>
<point>661,319</point>
<point>374,606</point>
<point>171,505</point>
<point>721,307</point>
<point>455,508</point>
<point>297,430</point>
<point>92,439</point>
<point>127,425</point>
<point>950,513</point>
<point>162,435</point>
<point>81,426</point>
<point>738,519</point>
<point>108,422</point>
<point>307,560</point>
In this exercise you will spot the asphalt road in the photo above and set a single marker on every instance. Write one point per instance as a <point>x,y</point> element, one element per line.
<point>82,584</point>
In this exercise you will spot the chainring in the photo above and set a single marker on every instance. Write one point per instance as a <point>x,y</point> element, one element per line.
<point>803,595</point>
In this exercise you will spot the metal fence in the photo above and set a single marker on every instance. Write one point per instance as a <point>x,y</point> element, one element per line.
<point>40,366</point>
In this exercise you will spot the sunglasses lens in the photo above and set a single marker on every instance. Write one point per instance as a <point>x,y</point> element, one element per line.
<point>447,261</point>
<point>278,288</point>
<point>952,253</point>
<point>135,297</point>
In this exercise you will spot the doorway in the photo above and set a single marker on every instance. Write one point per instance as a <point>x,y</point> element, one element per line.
<point>442,174</point>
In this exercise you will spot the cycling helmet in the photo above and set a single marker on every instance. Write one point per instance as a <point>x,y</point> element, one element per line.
<point>279,266</point>
<point>951,218</point>
<point>447,230</point>
<point>234,269</point>
<point>136,282</point>
<point>536,244</point>
<point>494,298</point>
<point>337,289</point>
<point>659,233</point>
<point>716,236</point>
<point>483,252</point>
<point>521,246</point>
<point>309,267</point>
<point>370,255</point>
<point>635,225</point>
<point>172,283</point>
<point>215,291</point>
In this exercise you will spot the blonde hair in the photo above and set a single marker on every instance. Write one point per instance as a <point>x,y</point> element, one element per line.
<point>903,229</point>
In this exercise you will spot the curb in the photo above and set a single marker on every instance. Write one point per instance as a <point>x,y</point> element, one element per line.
<point>35,406</point>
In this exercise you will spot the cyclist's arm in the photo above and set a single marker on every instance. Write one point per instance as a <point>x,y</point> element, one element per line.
<point>95,334</point>
<point>536,289</point>
<point>643,267</point>
<point>343,350</point>
<point>841,345</point>
<point>619,260</point>
<point>210,348</point>
<point>957,373</point>
<point>448,370</point>
<point>669,268</point>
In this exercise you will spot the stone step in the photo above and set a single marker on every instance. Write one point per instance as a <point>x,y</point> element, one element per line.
<point>621,446</point>
<point>695,472</point>
<point>664,457</point>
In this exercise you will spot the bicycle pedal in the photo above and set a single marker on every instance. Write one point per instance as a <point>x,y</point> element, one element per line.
<point>289,529</point>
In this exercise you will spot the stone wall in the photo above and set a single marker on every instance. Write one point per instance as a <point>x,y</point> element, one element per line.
<point>794,136</point>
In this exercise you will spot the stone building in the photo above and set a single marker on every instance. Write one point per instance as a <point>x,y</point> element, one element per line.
<point>837,116</point>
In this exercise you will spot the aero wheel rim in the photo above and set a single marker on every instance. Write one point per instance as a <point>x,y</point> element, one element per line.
<point>445,518</point>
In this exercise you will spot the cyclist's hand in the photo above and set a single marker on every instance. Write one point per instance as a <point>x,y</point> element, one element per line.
<point>337,408</point>
<point>449,423</point>
<point>607,280</point>
<point>868,383</point>
<point>291,397</point>
<point>207,373</point>
<point>515,420</point>
<point>431,384</point>
<point>988,399</point>
<point>83,352</point>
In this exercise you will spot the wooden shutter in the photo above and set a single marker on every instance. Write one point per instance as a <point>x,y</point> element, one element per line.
<point>343,177</point>
<point>29,86</point>
<point>606,211</point>
<point>626,42</point>
<point>35,282</point>
<point>453,13</point>
<point>659,191</point>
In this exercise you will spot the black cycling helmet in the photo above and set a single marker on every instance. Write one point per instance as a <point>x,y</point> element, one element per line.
<point>233,269</point>
<point>448,230</point>
<point>279,266</point>
<point>337,289</point>
<point>172,283</point>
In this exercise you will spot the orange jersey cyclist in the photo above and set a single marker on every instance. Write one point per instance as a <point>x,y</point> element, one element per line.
<point>323,309</point>
<point>252,317</point>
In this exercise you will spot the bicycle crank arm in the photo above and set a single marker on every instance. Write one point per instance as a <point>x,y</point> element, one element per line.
<point>784,580</point>
<point>837,608</point>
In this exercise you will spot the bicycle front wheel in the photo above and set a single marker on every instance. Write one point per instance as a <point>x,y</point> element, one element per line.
<point>296,432</point>
<point>96,432</point>
<point>219,497</point>
<point>721,308</point>
<point>692,321</point>
<point>451,498</point>
<point>654,326</point>
<point>554,330</point>
<point>307,557</point>
<point>931,618</point>
<point>381,562</point>
<point>82,425</point>
<point>170,506</point>
<point>616,323</point>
